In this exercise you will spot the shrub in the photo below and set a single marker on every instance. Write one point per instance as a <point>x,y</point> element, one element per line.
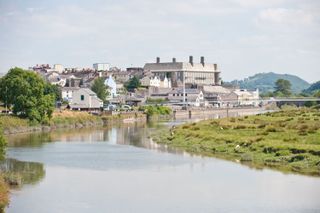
<point>271,129</point>
<point>232,120</point>
<point>240,126</point>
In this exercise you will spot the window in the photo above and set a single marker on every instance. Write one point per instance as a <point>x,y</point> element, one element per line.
<point>82,97</point>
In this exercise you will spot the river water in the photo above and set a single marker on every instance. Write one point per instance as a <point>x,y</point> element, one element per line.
<point>118,169</point>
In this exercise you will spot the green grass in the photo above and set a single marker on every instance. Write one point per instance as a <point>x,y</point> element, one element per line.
<point>287,140</point>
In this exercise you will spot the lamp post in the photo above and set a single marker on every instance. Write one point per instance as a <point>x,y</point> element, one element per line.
<point>6,100</point>
<point>184,88</point>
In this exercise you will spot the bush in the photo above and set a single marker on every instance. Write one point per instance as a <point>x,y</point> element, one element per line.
<point>155,110</point>
<point>271,129</point>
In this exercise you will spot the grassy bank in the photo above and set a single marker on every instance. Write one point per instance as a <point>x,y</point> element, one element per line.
<point>4,189</point>
<point>4,194</point>
<point>66,119</point>
<point>286,140</point>
<point>73,117</point>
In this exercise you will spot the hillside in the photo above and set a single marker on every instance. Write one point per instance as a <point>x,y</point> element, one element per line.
<point>313,88</point>
<point>265,82</point>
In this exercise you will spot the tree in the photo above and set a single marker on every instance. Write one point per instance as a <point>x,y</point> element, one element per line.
<point>53,90</point>
<point>132,84</point>
<point>282,86</point>
<point>24,91</point>
<point>317,94</point>
<point>99,88</point>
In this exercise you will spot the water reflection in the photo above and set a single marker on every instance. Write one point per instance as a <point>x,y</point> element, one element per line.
<point>104,169</point>
<point>30,172</point>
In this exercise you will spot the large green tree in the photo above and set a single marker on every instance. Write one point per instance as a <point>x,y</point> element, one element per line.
<point>132,84</point>
<point>99,88</point>
<point>282,87</point>
<point>24,91</point>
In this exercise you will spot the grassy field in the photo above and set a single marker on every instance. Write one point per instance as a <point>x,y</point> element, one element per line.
<point>286,140</point>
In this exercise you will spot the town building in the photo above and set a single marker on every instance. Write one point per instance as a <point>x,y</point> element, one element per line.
<point>101,66</point>
<point>67,93</point>
<point>85,99</point>
<point>247,98</point>
<point>192,97</point>
<point>155,82</point>
<point>188,73</point>
<point>58,68</point>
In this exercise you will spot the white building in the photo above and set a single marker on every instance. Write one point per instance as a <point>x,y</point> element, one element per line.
<point>101,66</point>
<point>247,98</point>
<point>85,99</point>
<point>166,83</point>
<point>67,93</point>
<point>193,97</point>
<point>156,82</point>
<point>58,68</point>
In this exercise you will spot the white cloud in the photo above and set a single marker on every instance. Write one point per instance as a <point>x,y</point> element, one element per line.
<point>259,3</point>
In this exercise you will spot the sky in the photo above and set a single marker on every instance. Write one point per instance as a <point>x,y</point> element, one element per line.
<point>243,37</point>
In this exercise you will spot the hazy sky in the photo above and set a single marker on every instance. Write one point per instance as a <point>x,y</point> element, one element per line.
<point>243,36</point>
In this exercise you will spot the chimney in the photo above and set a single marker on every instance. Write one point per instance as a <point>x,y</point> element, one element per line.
<point>202,60</point>
<point>215,67</point>
<point>191,60</point>
<point>158,60</point>
<point>174,60</point>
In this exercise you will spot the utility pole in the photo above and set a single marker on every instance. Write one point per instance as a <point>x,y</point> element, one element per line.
<point>6,100</point>
<point>184,90</point>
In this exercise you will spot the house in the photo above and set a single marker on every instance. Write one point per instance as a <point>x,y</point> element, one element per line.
<point>85,99</point>
<point>215,94</point>
<point>247,98</point>
<point>192,96</point>
<point>155,82</point>
<point>111,84</point>
<point>120,89</point>
<point>67,93</point>
<point>121,76</point>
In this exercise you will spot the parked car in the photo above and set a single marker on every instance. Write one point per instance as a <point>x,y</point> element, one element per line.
<point>126,108</point>
<point>111,107</point>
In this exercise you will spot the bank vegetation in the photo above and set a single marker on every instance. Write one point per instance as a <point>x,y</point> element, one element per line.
<point>287,140</point>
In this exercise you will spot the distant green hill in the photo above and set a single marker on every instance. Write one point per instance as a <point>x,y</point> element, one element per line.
<point>313,88</point>
<point>265,82</point>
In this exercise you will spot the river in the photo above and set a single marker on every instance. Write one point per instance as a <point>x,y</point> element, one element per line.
<point>118,169</point>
